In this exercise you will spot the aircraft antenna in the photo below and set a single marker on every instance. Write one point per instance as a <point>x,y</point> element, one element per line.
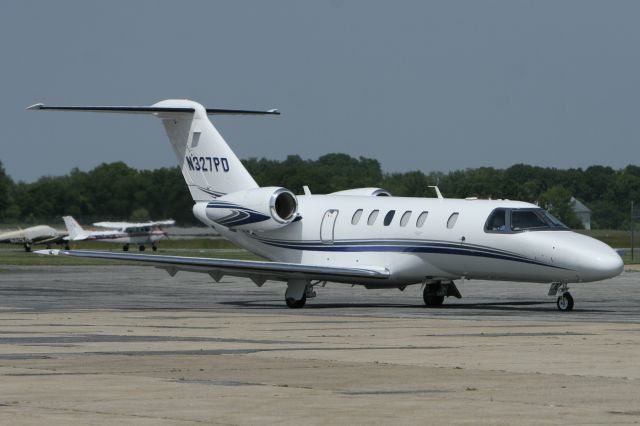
<point>438,193</point>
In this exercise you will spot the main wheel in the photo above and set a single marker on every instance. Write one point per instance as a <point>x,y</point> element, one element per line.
<point>141,248</point>
<point>125,247</point>
<point>154,247</point>
<point>296,304</point>
<point>565,302</point>
<point>432,299</point>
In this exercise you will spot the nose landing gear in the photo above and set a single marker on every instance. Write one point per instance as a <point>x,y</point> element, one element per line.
<point>565,300</point>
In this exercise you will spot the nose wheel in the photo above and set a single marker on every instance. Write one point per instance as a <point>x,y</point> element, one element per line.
<point>565,302</point>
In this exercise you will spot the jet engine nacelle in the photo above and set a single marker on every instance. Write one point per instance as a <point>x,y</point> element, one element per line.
<point>259,209</point>
<point>366,192</point>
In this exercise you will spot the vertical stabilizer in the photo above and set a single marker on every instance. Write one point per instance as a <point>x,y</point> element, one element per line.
<point>209,166</point>
<point>73,227</point>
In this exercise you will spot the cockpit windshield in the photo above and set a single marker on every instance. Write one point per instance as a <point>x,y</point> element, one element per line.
<point>518,220</point>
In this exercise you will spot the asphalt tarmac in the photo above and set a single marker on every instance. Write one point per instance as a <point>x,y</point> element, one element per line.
<point>132,345</point>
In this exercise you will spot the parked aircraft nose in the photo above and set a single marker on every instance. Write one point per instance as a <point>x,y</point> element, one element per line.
<point>594,259</point>
<point>608,264</point>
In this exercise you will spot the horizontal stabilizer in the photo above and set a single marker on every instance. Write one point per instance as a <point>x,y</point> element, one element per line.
<point>149,110</point>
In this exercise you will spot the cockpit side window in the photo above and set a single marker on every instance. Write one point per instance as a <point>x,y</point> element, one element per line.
<point>504,220</point>
<point>497,221</point>
<point>534,220</point>
<point>526,219</point>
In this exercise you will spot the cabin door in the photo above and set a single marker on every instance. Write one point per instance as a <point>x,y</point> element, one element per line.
<point>328,225</point>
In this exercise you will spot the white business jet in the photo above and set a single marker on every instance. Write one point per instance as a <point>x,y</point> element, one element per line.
<point>359,236</point>
<point>124,233</point>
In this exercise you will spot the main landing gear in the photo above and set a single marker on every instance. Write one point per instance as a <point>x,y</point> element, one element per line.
<point>435,292</point>
<point>296,304</point>
<point>565,300</point>
<point>298,291</point>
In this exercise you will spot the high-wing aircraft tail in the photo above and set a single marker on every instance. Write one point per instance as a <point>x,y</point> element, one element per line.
<point>209,166</point>
<point>73,228</point>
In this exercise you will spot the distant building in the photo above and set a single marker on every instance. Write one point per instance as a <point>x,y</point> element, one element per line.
<point>582,212</point>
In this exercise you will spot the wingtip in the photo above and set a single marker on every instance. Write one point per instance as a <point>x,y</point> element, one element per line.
<point>37,106</point>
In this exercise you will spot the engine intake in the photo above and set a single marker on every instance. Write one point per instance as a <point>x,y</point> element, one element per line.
<point>284,205</point>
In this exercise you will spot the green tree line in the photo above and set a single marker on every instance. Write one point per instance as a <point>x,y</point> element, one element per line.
<point>117,191</point>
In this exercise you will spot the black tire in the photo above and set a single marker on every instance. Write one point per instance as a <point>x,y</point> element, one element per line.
<point>154,248</point>
<point>296,304</point>
<point>141,248</point>
<point>432,300</point>
<point>67,247</point>
<point>565,302</point>
<point>27,248</point>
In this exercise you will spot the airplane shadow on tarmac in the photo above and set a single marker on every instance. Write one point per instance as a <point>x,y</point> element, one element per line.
<point>522,306</point>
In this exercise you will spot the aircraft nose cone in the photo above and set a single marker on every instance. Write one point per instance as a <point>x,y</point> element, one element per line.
<point>590,259</point>
<point>601,263</point>
<point>609,264</point>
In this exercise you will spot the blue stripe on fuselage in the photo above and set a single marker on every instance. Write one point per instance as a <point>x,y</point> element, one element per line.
<point>404,247</point>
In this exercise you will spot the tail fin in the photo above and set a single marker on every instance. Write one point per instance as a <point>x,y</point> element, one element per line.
<point>73,227</point>
<point>209,166</point>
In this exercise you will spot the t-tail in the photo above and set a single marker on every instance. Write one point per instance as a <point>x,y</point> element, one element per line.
<point>210,168</point>
<point>224,192</point>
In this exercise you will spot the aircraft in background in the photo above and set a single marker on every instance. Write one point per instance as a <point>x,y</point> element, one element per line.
<point>124,233</point>
<point>360,236</point>
<point>40,234</point>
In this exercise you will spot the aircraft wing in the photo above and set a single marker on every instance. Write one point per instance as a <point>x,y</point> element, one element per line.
<point>257,271</point>
<point>125,225</point>
<point>53,239</point>
<point>168,222</point>
<point>117,225</point>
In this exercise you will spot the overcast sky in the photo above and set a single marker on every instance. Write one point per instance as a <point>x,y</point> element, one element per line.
<point>418,85</point>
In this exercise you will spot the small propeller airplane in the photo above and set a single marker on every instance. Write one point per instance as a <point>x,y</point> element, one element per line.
<point>124,233</point>
<point>359,236</point>
<point>40,234</point>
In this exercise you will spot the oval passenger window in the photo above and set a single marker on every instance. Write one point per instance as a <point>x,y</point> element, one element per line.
<point>405,218</point>
<point>421,219</point>
<point>452,220</point>
<point>356,217</point>
<point>372,217</point>
<point>389,217</point>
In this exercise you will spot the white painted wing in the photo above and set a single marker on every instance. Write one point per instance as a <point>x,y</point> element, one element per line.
<point>258,271</point>
<point>125,225</point>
